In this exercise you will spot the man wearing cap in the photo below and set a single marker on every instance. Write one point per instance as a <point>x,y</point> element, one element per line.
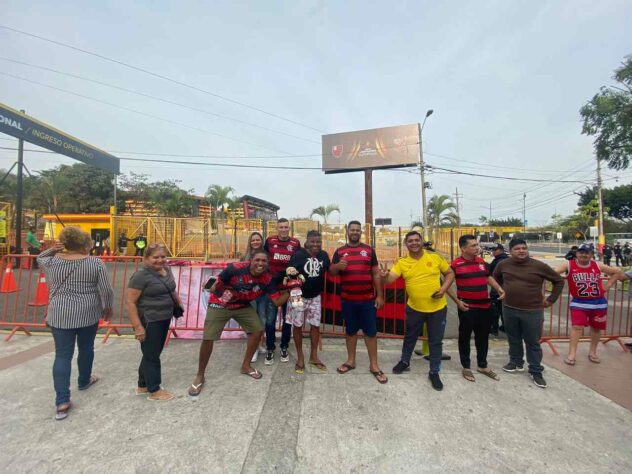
<point>497,306</point>
<point>522,278</point>
<point>589,306</point>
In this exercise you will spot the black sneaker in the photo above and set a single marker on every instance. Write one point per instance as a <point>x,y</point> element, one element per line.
<point>401,367</point>
<point>511,367</point>
<point>436,382</point>
<point>285,357</point>
<point>539,380</point>
<point>269,358</point>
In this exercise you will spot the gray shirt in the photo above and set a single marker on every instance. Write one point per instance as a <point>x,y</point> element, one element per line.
<point>155,303</point>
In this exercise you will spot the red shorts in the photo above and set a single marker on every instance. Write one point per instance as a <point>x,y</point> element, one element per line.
<point>595,318</point>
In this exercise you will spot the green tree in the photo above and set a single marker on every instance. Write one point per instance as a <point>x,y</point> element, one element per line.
<point>483,220</point>
<point>170,200</point>
<point>220,197</point>
<point>617,200</point>
<point>507,222</point>
<point>582,219</point>
<point>608,116</point>
<point>325,211</point>
<point>441,211</point>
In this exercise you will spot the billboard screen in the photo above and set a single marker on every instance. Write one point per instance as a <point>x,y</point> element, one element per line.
<point>30,130</point>
<point>390,147</point>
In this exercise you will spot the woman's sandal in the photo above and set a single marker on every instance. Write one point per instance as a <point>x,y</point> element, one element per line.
<point>594,359</point>
<point>468,375</point>
<point>569,361</point>
<point>93,379</point>
<point>62,411</point>
<point>490,373</point>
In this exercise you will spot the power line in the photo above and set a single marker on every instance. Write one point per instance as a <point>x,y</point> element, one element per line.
<point>160,76</point>
<point>166,101</point>
<point>431,167</point>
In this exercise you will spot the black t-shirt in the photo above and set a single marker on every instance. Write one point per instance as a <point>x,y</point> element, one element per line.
<point>313,269</point>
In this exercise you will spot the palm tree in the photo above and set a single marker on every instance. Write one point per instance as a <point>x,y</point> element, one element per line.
<point>441,210</point>
<point>219,196</point>
<point>325,211</point>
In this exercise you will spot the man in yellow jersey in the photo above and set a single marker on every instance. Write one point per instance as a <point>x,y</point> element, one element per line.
<point>422,272</point>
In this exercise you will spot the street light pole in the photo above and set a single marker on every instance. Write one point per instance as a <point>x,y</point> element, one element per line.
<point>422,173</point>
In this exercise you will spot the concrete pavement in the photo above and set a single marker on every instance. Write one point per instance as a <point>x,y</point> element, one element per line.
<point>314,422</point>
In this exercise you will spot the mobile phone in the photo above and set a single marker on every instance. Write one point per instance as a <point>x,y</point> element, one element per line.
<point>436,295</point>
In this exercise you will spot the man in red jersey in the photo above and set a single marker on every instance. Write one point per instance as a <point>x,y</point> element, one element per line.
<point>280,248</point>
<point>472,298</point>
<point>361,286</point>
<point>236,286</point>
<point>589,306</point>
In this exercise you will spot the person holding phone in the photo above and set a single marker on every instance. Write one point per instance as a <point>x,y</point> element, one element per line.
<point>422,273</point>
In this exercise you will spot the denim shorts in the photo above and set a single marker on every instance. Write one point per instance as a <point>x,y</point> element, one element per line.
<point>360,315</point>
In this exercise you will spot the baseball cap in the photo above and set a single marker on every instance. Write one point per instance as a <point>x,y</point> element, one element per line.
<point>498,247</point>
<point>585,248</point>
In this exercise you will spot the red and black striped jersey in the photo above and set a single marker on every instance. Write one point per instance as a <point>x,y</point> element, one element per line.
<point>236,287</point>
<point>280,252</point>
<point>356,281</point>
<point>471,281</point>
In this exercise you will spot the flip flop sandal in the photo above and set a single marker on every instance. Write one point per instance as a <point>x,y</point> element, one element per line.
<point>93,379</point>
<point>194,390</point>
<point>379,374</point>
<point>344,368</point>
<point>468,375</point>
<point>568,361</point>
<point>594,359</point>
<point>489,373</point>
<point>62,411</point>
<point>152,399</point>
<point>299,370</point>
<point>319,365</point>
<point>255,374</point>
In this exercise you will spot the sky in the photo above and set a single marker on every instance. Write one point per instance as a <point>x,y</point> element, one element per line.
<point>258,83</point>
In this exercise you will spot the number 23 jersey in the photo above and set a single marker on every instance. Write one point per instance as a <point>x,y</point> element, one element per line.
<point>585,282</point>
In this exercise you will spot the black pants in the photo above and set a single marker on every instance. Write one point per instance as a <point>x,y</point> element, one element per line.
<point>435,323</point>
<point>479,321</point>
<point>497,316</point>
<point>139,252</point>
<point>149,369</point>
<point>617,259</point>
<point>34,251</point>
<point>606,260</point>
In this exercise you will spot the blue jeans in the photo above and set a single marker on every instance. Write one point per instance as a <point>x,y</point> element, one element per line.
<point>270,326</point>
<point>524,325</point>
<point>64,350</point>
<point>435,322</point>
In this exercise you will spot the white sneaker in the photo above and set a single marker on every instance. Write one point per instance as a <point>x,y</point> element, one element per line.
<point>255,356</point>
<point>262,350</point>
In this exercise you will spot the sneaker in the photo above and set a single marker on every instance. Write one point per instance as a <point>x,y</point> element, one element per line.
<point>269,358</point>
<point>401,367</point>
<point>285,357</point>
<point>436,382</point>
<point>255,356</point>
<point>511,367</point>
<point>539,380</point>
<point>262,350</point>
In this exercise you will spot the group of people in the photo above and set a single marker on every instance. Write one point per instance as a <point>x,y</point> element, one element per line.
<point>622,254</point>
<point>254,293</point>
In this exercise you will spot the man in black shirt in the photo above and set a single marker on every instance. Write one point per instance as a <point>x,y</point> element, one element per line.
<point>311,262</point>
<point>497,307</point>
<point>122,244</point>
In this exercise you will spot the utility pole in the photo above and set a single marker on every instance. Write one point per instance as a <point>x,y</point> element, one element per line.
<point>458,207</point>
<point>602,236</point>
<point>19,198</point>
<point>524,211</point>
<point>422,173</point>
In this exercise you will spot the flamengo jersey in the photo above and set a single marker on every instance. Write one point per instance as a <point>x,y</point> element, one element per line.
<point>356,281</point>
<point>471,281</point>
<point>236,287</point>
<point>280,252</point>
<point>584,282</point>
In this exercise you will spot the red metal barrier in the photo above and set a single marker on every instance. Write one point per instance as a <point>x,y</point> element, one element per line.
<point>191,277</point>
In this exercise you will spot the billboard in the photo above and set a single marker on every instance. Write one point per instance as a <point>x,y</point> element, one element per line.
<point>378,148</point>
<point>19,125</point>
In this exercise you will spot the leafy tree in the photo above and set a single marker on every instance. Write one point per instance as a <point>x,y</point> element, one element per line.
<point>608,116</point>
<point>483,220</point>
<point>581,221</point>
<point>220,197</point>
<point>441,211</point>
<point>617,200</point>
<point>325,211</point>
<point>507,222</point>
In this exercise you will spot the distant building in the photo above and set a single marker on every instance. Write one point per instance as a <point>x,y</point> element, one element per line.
<point>255,208</point>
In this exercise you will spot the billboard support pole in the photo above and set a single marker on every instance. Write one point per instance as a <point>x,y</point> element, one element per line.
<point>19,197</point>
<point>368,196</point>
<point>422,173</point>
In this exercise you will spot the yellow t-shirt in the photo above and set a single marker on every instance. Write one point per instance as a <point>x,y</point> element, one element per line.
<point>422,279</point>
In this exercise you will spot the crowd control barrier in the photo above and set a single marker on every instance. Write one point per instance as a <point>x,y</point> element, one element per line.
<point>24,301</point>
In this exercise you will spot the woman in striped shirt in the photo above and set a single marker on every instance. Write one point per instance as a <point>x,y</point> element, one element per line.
<point>81,293</point>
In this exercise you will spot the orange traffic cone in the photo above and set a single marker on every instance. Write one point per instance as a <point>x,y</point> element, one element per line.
<point>41,292</point>
<point>8,282</point>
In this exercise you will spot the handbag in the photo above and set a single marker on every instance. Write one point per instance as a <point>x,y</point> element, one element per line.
<point>178,311</point>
